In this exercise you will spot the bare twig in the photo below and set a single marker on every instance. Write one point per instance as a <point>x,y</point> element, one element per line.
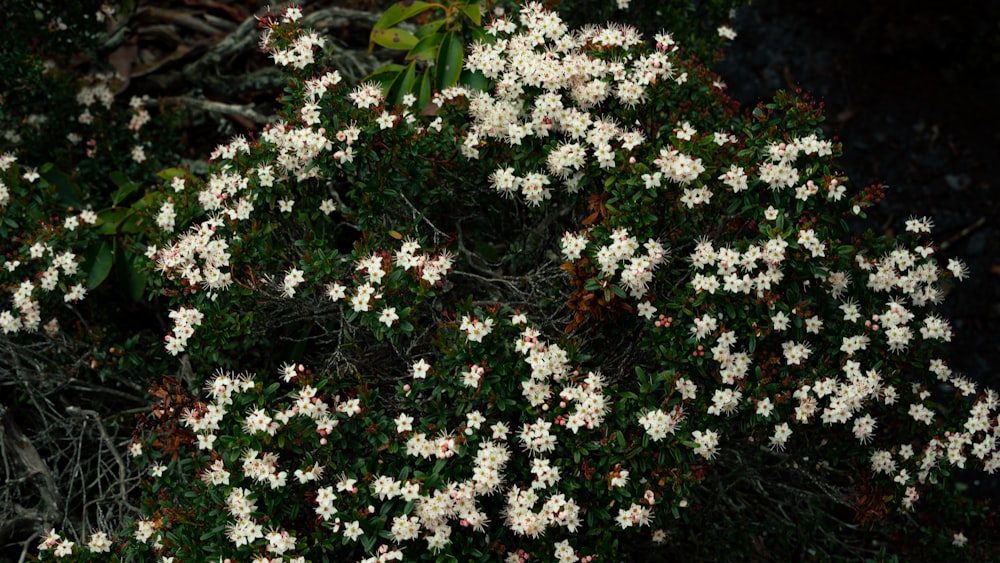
<point>122,468</point>
<point>963,233</point>
<point>246,111</point>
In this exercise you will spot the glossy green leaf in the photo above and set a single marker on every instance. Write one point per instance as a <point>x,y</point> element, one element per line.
<point>147,201</point>
<point>135,281</point>
<point>430,27</point>
<point>422,90</point>
<point>134,223</point>
<point>475,80</point>
<point>426,49</point>
<point>385,75</point>
<point>125,187</point>
<point>394,38</point>
<point>473,12</point>
<point>170,173</point>
<point>68,191</point>
<point>401,11</point>
<point>109,219</point>
<point>402,84</point>
<point>449,61</point>
<point>100,266</point>
<point>129,274</point>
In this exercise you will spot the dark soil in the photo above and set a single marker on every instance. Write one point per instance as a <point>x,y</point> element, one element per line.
<point>911,89</point>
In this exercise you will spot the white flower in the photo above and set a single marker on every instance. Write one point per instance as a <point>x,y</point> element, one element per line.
<point>420,369</point>
<point>726,32</point>
<point>292,279</point>
<point>388,316</point>
<point>958,269</point>
<point>646,310</point>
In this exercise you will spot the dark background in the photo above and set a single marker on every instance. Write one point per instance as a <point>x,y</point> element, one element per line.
<point>911,89</point>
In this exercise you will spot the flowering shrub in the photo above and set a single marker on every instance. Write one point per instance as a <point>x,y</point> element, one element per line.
<point>531,323</point>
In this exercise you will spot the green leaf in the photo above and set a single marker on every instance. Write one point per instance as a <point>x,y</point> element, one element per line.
<point>214,531</point>
<point>130,275</point>
<point>402,84</point>
<point>368,542</point>
<point>109,219</point>
<point>401,11</point>
<point>385,75</point>
<point>101,266</point>
<point>430,27</point>
<point>426,49</point>
<point>471,11</point>
<point>170,173</point>
<point>449,61</point>
<point>68,191</point>
<point>475,80</point>
<point>147,201</point>
<point>394,38</point>
<point>133,223</point>
<point>422,89</point>
<point>125,186</point>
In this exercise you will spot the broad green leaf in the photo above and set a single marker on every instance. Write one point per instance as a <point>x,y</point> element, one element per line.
<point>449,61</point>
<point>134,223</point>
<point>394,38</point>
<point>109,219</point>
<point>401,11</point>
<point>68,191</point>
<point>426,49</point>
<point>135,280</point>
<point>101,266</point>
<point>129,274</point>
<point>430,27</point>
<point>478,35</point>
<point>125,187</point>
<point>171,173</point>
<point>475,80</point>
<point>472,11</point>
<point>422,90</point>
<point>402,84</point>
<point>385,75</point>
<point>147,201</point>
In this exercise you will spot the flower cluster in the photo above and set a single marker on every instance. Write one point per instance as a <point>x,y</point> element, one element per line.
<point>46,266</point>
<point>748,314</point>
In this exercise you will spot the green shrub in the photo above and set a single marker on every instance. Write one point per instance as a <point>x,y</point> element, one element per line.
<point>567,318</point>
